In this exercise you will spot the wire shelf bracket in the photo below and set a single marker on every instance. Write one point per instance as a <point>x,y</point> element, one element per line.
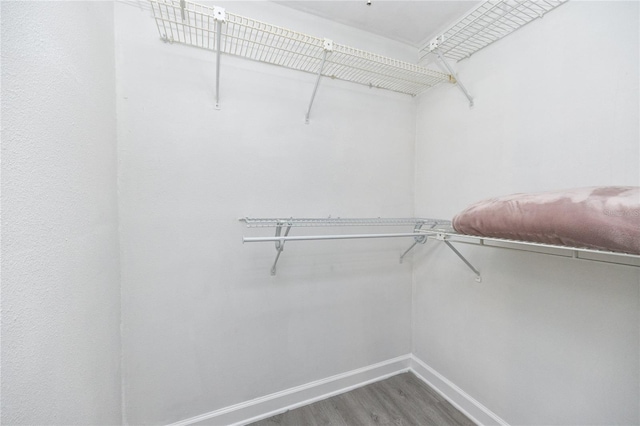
<point>421,239</point>
<point>279,244</point>
<point>442,237</point>
<point>219,17</point>
<point>327,48</point>
<point>458,83</point>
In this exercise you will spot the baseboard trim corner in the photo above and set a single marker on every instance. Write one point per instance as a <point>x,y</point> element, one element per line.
<point>464,402</point>
<point>279,402</point>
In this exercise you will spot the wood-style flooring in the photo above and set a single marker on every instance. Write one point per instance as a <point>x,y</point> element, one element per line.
<point>398,401</point>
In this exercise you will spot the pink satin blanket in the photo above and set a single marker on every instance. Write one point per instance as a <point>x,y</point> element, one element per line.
<point>603,218</point>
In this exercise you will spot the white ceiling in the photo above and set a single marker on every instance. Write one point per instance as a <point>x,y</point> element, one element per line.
<point>412,22</point>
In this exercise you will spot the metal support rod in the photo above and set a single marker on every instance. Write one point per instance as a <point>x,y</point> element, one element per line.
<point>475,271</point>
<point>408,250</point>
<point>279,247</point>
<point>324,237</point>
<point>315,89</point>
<point>280,240</point>
<point>218,51</point>
<point>458,82</point>
<point>420,240</point>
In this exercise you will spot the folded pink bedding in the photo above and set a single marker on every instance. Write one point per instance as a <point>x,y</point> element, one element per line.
<point>602,218</point>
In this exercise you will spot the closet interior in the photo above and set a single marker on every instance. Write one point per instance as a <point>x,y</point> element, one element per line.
<point>221,212</point>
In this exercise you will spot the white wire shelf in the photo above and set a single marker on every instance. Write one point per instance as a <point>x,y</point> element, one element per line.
<point>423,230</point>
<point>283,227</point>
<point>195,25</point>
<point>330,222</point>
<point>488,23</point>
<point>581,253</point>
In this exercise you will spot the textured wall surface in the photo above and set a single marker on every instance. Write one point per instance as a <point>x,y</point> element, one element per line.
<point>60,262</point>
<point>542,340</point>
<point>205,325</point>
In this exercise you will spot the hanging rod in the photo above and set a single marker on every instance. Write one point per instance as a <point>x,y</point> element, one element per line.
<point>280,240</point>
<point>285,224</point>
<point>327,237</point>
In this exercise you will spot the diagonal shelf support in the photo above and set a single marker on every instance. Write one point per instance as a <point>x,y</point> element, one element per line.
<point>443,238</point>
<point>452,73</point>
<point>279,245</point>
<point>327,46</point>
<point>475,271</point>
<point>219,16</point>
<point>418,240</point>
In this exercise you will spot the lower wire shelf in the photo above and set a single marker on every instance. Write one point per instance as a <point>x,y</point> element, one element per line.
<point>283,227</point>
<point>423,230</point>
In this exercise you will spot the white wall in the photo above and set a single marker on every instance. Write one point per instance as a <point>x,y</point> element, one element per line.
<point>60,280</point>
<point>205,325</point>
<point>542,340</point>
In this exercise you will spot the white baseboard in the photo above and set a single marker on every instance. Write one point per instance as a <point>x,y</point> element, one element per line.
<point>471,408</point>
<point>279,402</point>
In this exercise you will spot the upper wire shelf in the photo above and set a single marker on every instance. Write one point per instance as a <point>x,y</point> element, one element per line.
<point>486,24</point>
<point>195,24</point>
